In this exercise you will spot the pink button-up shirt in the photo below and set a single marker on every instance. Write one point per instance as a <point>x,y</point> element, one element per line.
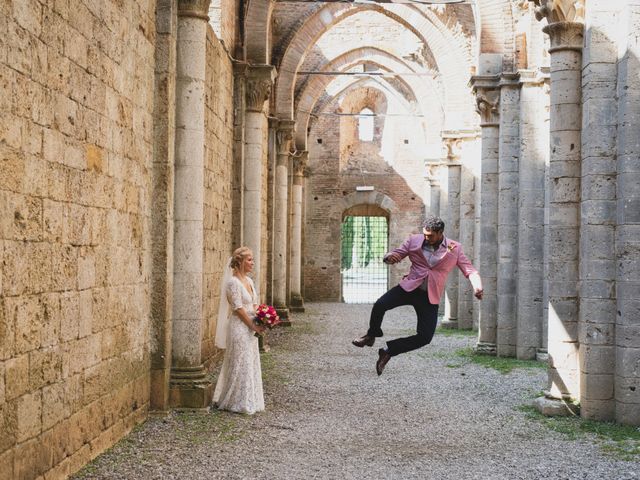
<point>436,275</point>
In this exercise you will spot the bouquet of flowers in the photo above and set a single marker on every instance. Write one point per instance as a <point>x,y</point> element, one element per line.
<point>266,316</point>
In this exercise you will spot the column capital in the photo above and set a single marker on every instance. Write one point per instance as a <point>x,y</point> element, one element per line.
<point>300,164</point>
<point>487,91</point>
<point>556,11</point>
<point>260,79</point>
<point>194,8</point>
<point>284,136</point>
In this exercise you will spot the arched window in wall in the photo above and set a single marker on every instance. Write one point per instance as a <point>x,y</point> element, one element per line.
<point>365,125</point>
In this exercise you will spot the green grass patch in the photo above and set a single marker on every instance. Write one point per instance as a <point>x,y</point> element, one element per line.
<point>456,332</point>
<point>619,441</point>
<point>270,369</point>
<point>503,365</point>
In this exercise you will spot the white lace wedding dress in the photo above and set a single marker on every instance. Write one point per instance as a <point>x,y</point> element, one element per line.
<point>239,387</point>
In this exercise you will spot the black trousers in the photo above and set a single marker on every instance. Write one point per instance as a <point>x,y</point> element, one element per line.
<point>427,318</point>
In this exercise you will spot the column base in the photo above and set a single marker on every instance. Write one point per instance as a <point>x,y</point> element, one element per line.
<point>449,323</point>
<point>485,348</point>
<point>283,312</point>
<point>189,388</point>
<point>550,406</point>
<point>542,355</point>
<point>296,304</point>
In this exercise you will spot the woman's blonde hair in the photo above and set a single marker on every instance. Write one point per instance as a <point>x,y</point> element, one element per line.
<point>238,256</point>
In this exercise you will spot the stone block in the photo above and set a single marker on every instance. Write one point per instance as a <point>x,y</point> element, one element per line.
<point>51,319</point>
<point>27,313</point>
<point>552,408</point>
<point>627,335</point>
<point>7,331</point>
<point>600,410</point>
<point>52,405</point>
<point>627,389</point>
<point>628,413</point>
<point>72,395</point>
<point>45,367</point>
<point>596,387</point>
<point>6,465</point>
<point>628,362</point>
<point>85,313</point>
<point>597,359</point>
<point>17,376</point>
<point>31,460</point>
<point>29,415</point>
<point>70,316</point>
<point>596,332</point>
<point>64,267</point>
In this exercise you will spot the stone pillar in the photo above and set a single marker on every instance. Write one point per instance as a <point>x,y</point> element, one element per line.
<point>488,101</point>
<point>434,196</point>
<point>452,229</point>
<point>466,237</point>
<point>534,153</point>
<point>284,136</point>
<point>239,101</point>
<point>163,183</point>
<point>627,373</point>
<point>189,387</point>
<point>508,159</point>
<point>296,301</point>
<point>565,30</point>
<point>597,320</point>
<point>258,88</point>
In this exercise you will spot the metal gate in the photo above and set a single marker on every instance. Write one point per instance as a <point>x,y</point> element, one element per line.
<point>364,241</point>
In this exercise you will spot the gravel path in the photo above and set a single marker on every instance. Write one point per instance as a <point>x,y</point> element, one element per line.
<point>431,415</point>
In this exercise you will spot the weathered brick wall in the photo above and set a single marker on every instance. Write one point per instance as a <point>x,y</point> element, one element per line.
<point>76,103</point>
<point>218,181</point>
<point>337,166</point>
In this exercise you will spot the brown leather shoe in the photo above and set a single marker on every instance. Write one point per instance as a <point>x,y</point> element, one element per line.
<point>383,358</point>
<point>364,340</point>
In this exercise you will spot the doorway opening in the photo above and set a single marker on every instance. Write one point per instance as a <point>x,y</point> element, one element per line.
<point>364,241</point>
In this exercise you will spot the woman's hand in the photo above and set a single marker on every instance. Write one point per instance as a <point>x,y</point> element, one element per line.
<point>259,329</point>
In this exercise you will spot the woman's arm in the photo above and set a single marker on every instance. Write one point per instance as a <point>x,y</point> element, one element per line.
<point>242,314</point>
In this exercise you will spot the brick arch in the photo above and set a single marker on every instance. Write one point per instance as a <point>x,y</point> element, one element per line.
<point>453,61</point>
<point>496,29</point>
<point>257,28</point>
<point>379,199</point>
<point>425,94</point>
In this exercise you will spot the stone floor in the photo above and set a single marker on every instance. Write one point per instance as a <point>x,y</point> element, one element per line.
<point>433,414</point>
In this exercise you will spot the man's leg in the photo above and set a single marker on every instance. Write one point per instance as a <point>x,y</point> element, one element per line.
<point>395,297</point>
<point>427,320</point>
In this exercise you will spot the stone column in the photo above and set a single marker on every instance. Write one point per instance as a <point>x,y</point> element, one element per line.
<point>534,153</point>
<point>627,373</point>
<point>434,192</point>
<point>163,183</point>
<point>565,30</point>
<point>284,136</point>
<point>189,386</point>
<point>258,88</point>
<point>452,228</point>
<point>296,301</point>
<point>598,312</point>
<point>466,237</point>
<point>509,153</point>
<point>488,101</point>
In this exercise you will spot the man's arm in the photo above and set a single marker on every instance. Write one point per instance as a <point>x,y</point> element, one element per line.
<point>397,254</point>
<point>471,273</point>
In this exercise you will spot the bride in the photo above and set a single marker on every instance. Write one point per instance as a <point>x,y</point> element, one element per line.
<point>239,387</point>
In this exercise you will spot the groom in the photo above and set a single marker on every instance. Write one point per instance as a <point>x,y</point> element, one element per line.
<point>432,257</point>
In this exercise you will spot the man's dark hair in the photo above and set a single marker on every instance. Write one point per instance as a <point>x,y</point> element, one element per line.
<point>433,223</point>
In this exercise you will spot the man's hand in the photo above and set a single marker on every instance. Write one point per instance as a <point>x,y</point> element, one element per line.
<point>393,258</point>
<point>478,292</point>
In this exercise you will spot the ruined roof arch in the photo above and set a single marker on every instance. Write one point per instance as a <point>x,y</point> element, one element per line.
<point>449,51</point>
<point>425,94</point>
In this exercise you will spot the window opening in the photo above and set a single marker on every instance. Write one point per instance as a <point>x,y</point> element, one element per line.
<point>364,242</point>
<point>365,125</point>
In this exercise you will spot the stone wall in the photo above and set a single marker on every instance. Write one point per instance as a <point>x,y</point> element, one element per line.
<point>76,105</point>
<point>218,181</point>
